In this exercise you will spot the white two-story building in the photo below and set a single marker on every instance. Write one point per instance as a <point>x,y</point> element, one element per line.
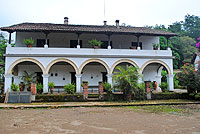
<point>61,53</point>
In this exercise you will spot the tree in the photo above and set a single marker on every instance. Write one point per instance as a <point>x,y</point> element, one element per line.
<point>176,27</point>
<point>3,45</point>
<point>127,80</point>
<point>190,78</point>
<point>163,46</point>
<point>191,26</point>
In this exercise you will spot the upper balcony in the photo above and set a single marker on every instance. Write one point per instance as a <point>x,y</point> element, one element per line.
<point>86,52</point>
<point>62,40</point>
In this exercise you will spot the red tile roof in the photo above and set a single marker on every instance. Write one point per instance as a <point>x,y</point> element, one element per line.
<point>49,27</point>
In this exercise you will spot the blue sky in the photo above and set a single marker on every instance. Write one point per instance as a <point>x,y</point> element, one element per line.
<point>131,12</point>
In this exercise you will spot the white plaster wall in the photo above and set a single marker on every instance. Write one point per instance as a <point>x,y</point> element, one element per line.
<point>93,71</point>
<point>196,62</point>
<point>30,70</point>
<point>63,71</point>
<point>150,73</point>
<point>63,39</point>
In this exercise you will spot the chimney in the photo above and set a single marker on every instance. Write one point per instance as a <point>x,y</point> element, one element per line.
<point>117,23</point>
<point>66,20</point>
<point>105,23</point>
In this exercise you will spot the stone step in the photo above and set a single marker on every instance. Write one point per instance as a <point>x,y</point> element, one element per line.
<point>93,99</point>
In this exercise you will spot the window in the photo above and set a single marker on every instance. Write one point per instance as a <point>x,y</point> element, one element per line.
<point>74,43</point>
<point>135,44</point>
<point>41,42</point>
<point>105,44</point>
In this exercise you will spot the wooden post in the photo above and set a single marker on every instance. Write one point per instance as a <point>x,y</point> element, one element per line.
<point>6,97</point>
<point>167,42</point>
<point>78,39</point>
<point>10,37</point>
<point>138,40</point>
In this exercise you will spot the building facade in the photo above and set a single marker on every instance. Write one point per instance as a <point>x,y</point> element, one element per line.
<point>61,54</point>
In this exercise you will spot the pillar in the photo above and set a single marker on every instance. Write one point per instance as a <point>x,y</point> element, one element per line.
<point>78,38</point>
<point>138,42</point>
<point>158,80</point>
<point>168,48</point>
<point>109,45</point>
<point>45,83</point>
<point>170,81</point>
<point>9,40</point>
<point>46,40</point>
<point>8,82</point>
<point>78,83</point>
<point>109,79</point>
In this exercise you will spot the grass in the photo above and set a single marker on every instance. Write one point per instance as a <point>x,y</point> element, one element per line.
<point>169,109</point>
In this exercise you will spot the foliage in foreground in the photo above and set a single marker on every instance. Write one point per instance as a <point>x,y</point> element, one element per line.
<point>190,78</point>
<point>127,81</point>
<point>70,88</point>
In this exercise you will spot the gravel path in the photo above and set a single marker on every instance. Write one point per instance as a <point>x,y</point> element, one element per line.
<point>96,121</point>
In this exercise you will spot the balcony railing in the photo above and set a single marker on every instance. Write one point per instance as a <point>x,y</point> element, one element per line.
<point>18,51</point>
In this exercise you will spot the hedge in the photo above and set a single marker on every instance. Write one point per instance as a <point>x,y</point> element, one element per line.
<point>169,95</point>
<point>115,97</point>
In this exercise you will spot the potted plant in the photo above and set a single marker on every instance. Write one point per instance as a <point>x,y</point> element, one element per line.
<point>95,43</point>
<point>155,46</point>
<point>133,47</point>
<point>29,42</point>
<point>51,86</point>
<point>21,86</point>
<point>29,79</point>
<point>39,88</point>
<point>14,87</point>
<point>70,88</point>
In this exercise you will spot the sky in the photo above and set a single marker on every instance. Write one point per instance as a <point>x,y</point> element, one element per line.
<point>130,12</point>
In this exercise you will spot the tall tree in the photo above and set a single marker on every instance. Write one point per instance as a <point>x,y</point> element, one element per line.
<point>3,45</point>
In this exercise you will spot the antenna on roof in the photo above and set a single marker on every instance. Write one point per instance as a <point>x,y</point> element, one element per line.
<point>104,9</point>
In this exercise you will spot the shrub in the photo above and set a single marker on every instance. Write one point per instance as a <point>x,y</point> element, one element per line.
<point>108,90</point>
<point>95,42</point>
<point>140,93</point>
<point>126,80</point>
<point>51,85</point>
<point>197,96</point>
<point>14,87</point>
<point>39,88</point>
<point>164,86</point>
<point>190,77</point>
<point>70,88</point>
<point>29,41</point>
<point>107,87</point>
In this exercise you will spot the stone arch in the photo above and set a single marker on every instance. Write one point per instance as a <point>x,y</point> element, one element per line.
<point>23,60</point>
<point>121,61</point>
<point>156,61</point>
<point>94,60</point>
<point>62,60</point>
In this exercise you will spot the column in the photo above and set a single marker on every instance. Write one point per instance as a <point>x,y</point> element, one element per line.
<point>78,83</point>
<point>168,48</point>
<point>8,82</point>
<point>109,79</point>
<point>9,40</point>
<point>109,45</point>
<point>78,38</point>
<point>46,40</point>
<point>45,83</point>
<point>158,80</point>
<point>138,42</point>
<point>170,81</point>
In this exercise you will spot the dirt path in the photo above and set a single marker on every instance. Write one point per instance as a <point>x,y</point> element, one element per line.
<point>96,121</point>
